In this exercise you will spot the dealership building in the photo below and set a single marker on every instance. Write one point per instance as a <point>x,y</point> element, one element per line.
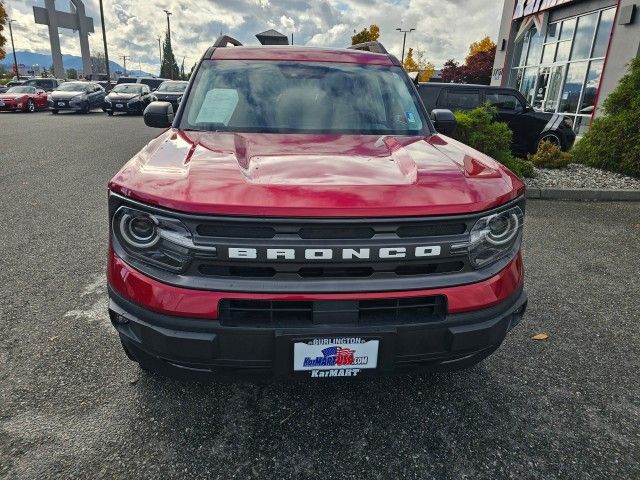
<point>566,56</point>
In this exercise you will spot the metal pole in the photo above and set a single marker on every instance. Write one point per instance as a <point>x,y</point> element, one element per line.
<point>404,40</point>
<point>160,51</point>
<point>291,38</point>
<point>106,53</point>
<point>169,37</point>
<point>15,61</point>
<point>124,58</point>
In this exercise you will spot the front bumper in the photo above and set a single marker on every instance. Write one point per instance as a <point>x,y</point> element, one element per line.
<point>135,107</point>
<point>11,107</point>
<point>181,347</point>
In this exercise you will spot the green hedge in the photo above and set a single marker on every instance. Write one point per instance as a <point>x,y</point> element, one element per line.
<point>479,129</point>
<point>613,141</point>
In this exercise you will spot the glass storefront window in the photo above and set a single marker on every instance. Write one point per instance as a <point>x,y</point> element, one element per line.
<point>553,88</point>
<point>527,87</point>
<point>604,31</point>
<point>535,48</point>
<point>591,87</point>
<point>561,71</point>
<point>563,51</point>
<point>549,53</point>
<point>568,26</point>
<point>572,87</point>
<point>584,36</point>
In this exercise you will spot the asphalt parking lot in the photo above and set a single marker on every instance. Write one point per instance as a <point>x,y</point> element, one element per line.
<point>72,405</point>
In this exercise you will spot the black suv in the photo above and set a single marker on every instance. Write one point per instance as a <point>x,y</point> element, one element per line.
<point>529,126</point>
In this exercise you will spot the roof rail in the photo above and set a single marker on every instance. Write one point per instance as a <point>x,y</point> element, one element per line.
<point>375,47</point>
<point>224,40</point>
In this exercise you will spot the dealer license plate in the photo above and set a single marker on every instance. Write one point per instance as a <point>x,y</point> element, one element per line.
<point>335,357</point>
<point>61,104</point>
<point>119,105</point>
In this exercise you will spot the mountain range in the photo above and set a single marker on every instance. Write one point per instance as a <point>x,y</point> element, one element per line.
<point>69,61</point>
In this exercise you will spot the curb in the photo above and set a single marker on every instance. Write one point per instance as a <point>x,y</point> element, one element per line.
<point>583,194</point>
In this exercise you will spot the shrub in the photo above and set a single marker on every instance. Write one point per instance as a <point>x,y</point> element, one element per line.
<point>479,129</point>
<point>550,155</point>
<point>613,141</point>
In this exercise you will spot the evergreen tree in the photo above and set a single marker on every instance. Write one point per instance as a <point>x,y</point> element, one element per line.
<point>169,67</point>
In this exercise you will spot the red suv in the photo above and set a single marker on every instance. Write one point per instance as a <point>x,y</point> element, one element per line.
<point>301,216</point>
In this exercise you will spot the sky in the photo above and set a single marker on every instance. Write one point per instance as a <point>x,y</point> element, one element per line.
<point>444,29</point>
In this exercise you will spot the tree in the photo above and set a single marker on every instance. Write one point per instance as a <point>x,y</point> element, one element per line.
<point>452,72</point>
<point>410,64</point>
<point>3,21</point>
<point>484,45</point>
<point>479,67</point>
<point>169,67</point>
<point>366,35</point>
<point>425,68</point>
<point>72,74</point>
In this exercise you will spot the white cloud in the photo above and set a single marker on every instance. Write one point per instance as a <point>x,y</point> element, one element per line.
<point>444,29</point>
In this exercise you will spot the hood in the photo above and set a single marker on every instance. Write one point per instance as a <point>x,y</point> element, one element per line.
<point>12,96</point>
<point>314,175</point>
<point>65,95</point>
<point>116,96</point>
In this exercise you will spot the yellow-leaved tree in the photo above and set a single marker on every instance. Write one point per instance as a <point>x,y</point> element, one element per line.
<point>3,20</point>
<point>370,34</point>
<point>484,45</point>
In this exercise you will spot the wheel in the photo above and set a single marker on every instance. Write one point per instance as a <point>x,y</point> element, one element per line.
<point>54,112</point>
<point>86,108</point>
<point>31,107</point>
<point>549,137</point>
<point>110,113</point>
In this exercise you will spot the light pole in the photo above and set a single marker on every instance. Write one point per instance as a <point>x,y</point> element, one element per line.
<point>13,47</point>
<point>124,58</point>
<point>404,40</point>
<point>168,25</point>
<point>160,50</point>
<point>169,37</point>
<point>106,53</point>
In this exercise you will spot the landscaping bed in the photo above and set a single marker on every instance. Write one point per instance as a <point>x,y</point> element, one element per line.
<point>576,176</point>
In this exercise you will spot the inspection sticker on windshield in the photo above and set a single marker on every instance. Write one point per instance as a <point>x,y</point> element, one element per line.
<point>335,357</point>
<point>218,106</point>
<point>411,117</point>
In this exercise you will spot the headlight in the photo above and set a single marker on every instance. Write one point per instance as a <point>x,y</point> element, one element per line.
<point>495,236</point>
<point>107,99</point>
<point>155,239</point>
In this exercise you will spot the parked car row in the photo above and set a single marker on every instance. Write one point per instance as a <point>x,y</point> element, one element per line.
<point>84,96</point>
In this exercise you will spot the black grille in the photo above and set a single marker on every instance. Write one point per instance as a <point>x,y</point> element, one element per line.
<point>259,313</point>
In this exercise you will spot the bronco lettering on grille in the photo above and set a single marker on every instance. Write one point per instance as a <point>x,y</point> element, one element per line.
<point>243,253</point>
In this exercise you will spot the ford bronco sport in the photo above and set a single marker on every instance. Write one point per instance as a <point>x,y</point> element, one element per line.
<point>301,216</point>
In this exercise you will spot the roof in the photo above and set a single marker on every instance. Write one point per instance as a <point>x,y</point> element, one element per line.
<point>463,85</point>
<point>302,54</point>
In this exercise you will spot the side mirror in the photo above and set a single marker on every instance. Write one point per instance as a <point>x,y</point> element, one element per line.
<point>444,121</point>
<point>158,115</point>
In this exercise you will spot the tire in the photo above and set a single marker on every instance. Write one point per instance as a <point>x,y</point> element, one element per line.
<point>549,137</point>
<point>110,113</point>
<point>54,112</point>
<point>31,107</point>
<point>86,108</point>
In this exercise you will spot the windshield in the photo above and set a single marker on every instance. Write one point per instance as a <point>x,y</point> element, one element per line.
<point>127,88</point>
<point>286,97</point>
<point>172,87</point>
<point>72,87</point>
<point>22,90</point>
